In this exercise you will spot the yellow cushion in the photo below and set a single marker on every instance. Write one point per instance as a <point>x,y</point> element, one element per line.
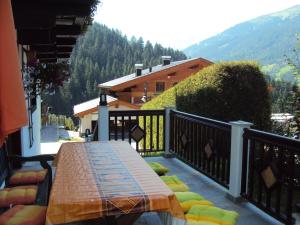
<point>193,222</point>
<point>17,195</point>
<point>185,196</point>
<point>174,183</point>
<point>212,214</point>
<point>24,215</point>
<point>27,177</point>
<point>158,168</point>
<point>186,206</point>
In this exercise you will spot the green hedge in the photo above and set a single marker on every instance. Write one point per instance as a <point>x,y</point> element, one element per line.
<point>226,91</point>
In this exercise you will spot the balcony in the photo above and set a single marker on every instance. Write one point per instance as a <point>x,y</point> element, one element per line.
<point>252,172</point>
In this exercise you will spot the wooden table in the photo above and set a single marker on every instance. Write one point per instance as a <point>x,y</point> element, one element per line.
<point>108,180</point>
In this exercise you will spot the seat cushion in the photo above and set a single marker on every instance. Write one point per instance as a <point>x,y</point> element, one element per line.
<point>17,195</point>
<point>212,214</point>
<point>158,168</point>
<point>193,222</point>
<point>187,205</point>
<point>185,196</point>
<point>24,215</point>
<point>27,177</point>
<point>174,183</point>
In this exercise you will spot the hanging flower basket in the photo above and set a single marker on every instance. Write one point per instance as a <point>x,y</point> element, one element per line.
<point>41,77</point>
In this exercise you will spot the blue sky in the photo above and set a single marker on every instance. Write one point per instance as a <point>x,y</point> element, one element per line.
<point>179,24</point>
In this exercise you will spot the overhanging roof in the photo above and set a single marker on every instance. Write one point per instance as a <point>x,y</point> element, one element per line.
<point>146,72</point>
<point>91,106</point>
<point>51,27</point>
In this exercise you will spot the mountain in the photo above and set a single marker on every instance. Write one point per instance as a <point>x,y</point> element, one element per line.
<point>103,54</point>
<point>265,39</point>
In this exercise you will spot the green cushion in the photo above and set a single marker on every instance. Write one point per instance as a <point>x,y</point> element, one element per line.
<point>174,183</point>
<point>187,205</point>
<point>185,196</point>
<point>158,168</point>
<point>212,214</point>
<point>193,222</point>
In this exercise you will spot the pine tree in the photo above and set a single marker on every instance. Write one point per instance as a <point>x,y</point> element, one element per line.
<point>103,54</point>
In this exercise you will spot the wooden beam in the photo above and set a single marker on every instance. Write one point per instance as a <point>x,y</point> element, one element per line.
<point>29,37</point>
<point>41,21</point>
<point>51,49</point>
<point>65,41</point>
<point>48,60</point>
<point>53,55</point>
<point>67,30</point>
<point>43,48</point>
<point>64,49</point>
<point>46,56</point>
<point>63,55</point>
<point>33,8</point>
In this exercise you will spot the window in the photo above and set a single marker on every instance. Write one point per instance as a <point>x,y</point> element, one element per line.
<point>175,83</point>
<point>194,67</point>
<point>160,86</point>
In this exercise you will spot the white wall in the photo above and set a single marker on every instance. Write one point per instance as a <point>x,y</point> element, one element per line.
<point>35,149</point>
<point>86,121</point>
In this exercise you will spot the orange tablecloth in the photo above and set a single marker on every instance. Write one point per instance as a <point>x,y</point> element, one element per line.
<point>98,179</point>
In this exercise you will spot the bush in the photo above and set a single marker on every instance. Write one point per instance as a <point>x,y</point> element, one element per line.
<point>226,91</point>
<point>61,120</point>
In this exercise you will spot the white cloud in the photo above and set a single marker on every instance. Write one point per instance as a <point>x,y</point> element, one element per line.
<point>178,24</point>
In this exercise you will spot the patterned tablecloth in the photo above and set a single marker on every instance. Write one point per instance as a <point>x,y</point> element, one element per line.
<point>99,179</point>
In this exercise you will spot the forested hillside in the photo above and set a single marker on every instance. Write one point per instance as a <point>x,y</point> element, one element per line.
<point>100,55</point>
<point>266,39</point>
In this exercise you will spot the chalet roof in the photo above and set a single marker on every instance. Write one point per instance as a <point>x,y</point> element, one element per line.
<point>50,27</point>
<point>91,104</point>
<point>145,73</point>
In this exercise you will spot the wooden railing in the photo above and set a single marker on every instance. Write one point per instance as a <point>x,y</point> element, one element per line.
<point>202,143</point>
<point>271,173</point>
<point>144,129</point>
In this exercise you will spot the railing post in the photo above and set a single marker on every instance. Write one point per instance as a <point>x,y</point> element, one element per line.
<point>103,119</point>
<point>167,152</point>
<point>236,158</point>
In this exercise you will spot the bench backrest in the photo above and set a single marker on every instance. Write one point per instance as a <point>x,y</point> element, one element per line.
<point>4,167</point>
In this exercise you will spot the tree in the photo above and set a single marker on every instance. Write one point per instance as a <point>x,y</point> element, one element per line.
<point>103,54</point>
<point>294,62</point>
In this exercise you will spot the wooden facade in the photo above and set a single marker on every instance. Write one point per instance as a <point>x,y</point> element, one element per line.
<point>145,87</point>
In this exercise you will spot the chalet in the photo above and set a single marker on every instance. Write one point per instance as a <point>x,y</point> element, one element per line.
<point>131,91</point>
<point>145,84</point>
<point>87,112</point>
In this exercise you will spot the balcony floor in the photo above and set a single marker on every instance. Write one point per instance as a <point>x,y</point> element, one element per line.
<point>211,191</point>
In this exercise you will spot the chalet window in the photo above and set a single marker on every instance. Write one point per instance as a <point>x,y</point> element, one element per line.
<point>160,86</point>
<point>171,74</point>
<point>193,67</point>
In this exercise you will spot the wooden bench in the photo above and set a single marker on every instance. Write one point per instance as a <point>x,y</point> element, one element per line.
<point>6,172</point>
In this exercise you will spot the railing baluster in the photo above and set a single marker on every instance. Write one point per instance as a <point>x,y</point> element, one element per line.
<point>151,132</point>
<point>129,128</point>
<point>251,169</point>
<point>137,143</point>
<point>259,168</point>
<point>290,193</point>
<point>116,127</point>
<point>278,191</point>
<point>123,136</point>
<point>219,146</point>
<point>145,130</point>
<point>157,133</point>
